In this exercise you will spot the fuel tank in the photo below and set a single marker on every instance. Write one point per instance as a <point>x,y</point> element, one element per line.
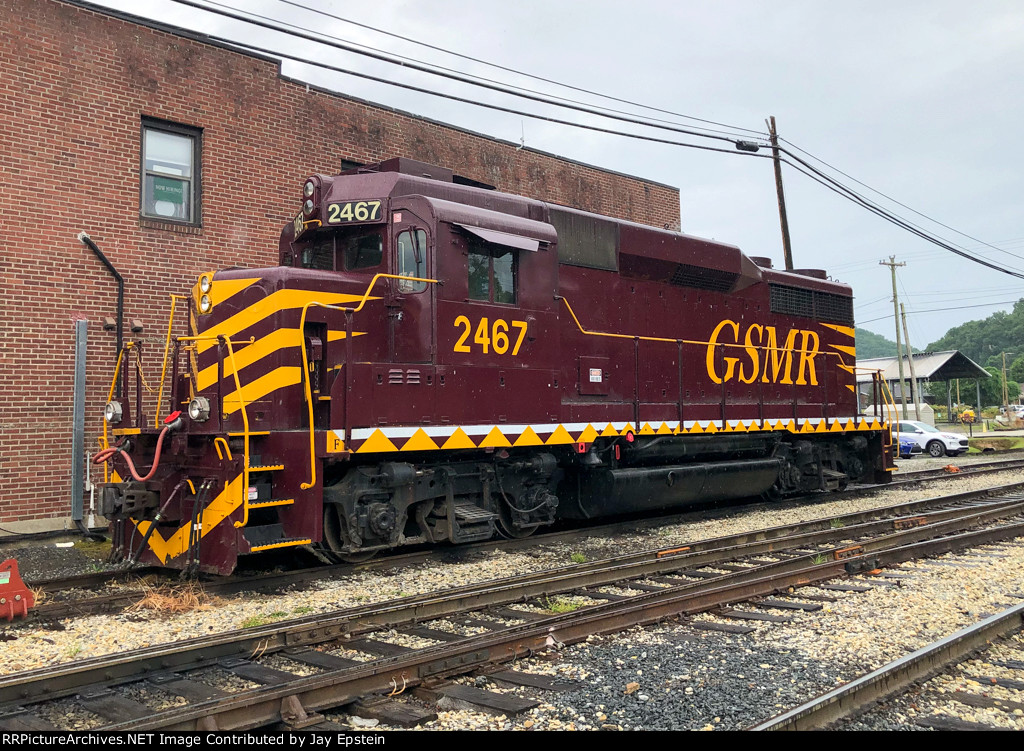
<point>605,492</point>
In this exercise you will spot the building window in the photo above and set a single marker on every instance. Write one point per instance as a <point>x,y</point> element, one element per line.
<point>492,273</point>
<point>170,172</point>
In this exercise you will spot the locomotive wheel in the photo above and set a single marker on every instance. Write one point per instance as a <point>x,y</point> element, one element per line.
<point>336,535</point>
<point>505,526</point>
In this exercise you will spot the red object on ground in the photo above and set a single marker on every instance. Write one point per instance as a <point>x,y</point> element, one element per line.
<point>15,597</point>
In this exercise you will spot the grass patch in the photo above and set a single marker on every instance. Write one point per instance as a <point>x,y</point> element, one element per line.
<point>578,558</point>
<point>560,605</point>
<point>181,598</point>
<point>262,620</point>
<point>304,610</point>
<point>997,443</point>
<point>92,548</point>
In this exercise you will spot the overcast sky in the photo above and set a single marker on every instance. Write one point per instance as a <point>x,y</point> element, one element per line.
<point>919,99</point>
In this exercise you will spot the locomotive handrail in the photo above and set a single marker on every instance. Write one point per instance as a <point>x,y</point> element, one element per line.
<point>167,347</point>
<point>305,358</point>
<point>245,418</point>
<point>110,395</point>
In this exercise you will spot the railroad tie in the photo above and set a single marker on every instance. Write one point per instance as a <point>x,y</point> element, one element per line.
<point>979,701</point>
<point>254,672</point>
<point>951,723</point>
<point>391,712</point>
<point>316,659</point>
<point>746,615</point>
<point>20,719</point>
<point>375,647</point>
<point>469,697</point>
<point>112,706</point>
<point>729,628</point>
<point>789,605</point>
<point>533,680</point>
<point>193,691</point>
<point>430,633</point>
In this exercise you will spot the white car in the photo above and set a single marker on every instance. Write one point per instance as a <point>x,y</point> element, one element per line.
<point>931,439</point>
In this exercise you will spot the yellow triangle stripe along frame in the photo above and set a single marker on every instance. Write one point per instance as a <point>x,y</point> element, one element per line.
<point>450,437</point>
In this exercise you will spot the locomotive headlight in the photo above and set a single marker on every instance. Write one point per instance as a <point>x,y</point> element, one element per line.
<point>307,206</point>
<point>112,413</point>
<point>205,282</point>
<point>199,409</point>
<point>308,189</point>
<point>205,303</point>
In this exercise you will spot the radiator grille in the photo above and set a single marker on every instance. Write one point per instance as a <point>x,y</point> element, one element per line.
<point>808,303</point>
<point>687,275</point>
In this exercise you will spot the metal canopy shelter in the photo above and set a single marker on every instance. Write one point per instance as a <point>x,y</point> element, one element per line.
<point>929,366</point>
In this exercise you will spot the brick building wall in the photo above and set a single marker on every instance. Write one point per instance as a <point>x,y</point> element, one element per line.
<point>75,85</point>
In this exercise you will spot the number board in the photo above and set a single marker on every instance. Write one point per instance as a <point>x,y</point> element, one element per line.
<point>354,211</point>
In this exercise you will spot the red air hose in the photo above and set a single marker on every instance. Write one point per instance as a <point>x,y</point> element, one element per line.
<point>106,454</point>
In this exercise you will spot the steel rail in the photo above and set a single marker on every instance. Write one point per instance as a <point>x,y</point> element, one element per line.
<point>113,601</point>
<point>848,700</point>
<point>62,680</point>
<point>296,699</point>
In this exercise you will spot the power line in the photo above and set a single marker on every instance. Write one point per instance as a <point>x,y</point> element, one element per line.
<point>936,310</point>
<point>476,103</point>
<point>422,68</point>
<point>806,168</point>
<point>908,208</point>
<point>470,58</point>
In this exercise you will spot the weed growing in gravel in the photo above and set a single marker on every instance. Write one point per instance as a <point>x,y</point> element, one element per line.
<point>819,559</point>
<point>837,524</point>
<point>262,620</point>
<point>560,605</point>
<point>578,558</point>
<point>94,549</point>
<point>304,610</point>
<point>74,650</point>
<point>176,599</point>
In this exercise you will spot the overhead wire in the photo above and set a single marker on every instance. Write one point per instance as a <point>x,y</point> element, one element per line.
<point>497,66</point>
<point>898,203</point>
<point>410,64</point>
<point>794,161</point>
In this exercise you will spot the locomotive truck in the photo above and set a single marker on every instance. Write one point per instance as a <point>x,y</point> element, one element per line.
<point>436,362</point>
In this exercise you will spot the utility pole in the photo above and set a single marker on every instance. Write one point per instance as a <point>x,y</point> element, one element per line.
<point>896,315</point>
<point>1006,395</point>
<point>914,388</point>
<point>786,247</point>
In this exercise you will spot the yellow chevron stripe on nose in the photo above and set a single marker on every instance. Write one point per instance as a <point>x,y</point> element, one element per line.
<point>275,379</point>
<point>284,299</point>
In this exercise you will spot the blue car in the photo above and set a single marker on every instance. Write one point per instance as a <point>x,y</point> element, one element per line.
<point>909,448</point>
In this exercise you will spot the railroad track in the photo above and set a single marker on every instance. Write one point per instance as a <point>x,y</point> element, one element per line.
<point>479,625</point>
<point>849,700</point>
<point>64,603</point>
<point>968,470</point>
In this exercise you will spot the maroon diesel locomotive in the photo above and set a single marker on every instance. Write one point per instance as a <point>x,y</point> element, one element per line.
<point>438,362</point>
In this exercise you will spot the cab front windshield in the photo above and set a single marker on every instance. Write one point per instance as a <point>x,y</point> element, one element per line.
<point>344,250</point>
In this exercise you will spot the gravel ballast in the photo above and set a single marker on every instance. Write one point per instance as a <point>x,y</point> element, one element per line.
<point>686,679</point>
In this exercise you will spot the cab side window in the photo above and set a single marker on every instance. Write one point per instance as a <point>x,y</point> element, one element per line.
<point>412,260</point>
<point>492,273</point>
